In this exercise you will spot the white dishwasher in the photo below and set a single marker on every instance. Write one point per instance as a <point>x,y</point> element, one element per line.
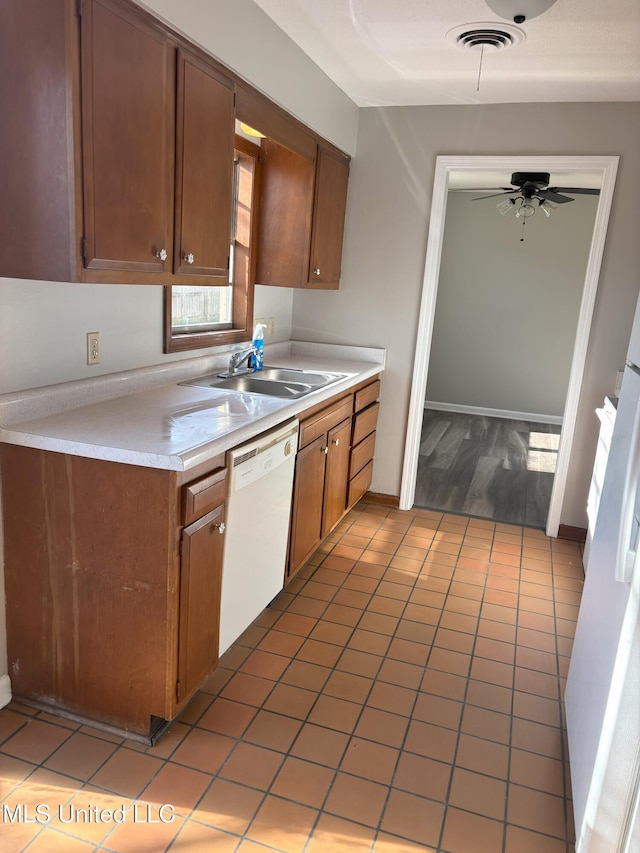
<point>258,508</point>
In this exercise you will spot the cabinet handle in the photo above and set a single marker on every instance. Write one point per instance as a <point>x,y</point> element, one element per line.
<point>189,258</point>
<point>325,450</point>
<point>162,254</point>
<point>219,527</point>
<point>335,441</point>
<point>316,271</point>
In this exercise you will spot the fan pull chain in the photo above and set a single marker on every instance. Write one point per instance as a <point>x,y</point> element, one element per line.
<point>480,67</point>
<point>524,222</point>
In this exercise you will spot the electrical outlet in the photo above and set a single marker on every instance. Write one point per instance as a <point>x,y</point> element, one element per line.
<point>93,347</point>
<point>258,320</point>
<point>271,327</point>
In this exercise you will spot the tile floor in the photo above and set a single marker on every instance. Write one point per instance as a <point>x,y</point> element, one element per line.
<point>403,694</point>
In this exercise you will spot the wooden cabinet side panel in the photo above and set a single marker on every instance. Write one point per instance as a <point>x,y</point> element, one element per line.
<point>91,577</point>
<point>38,84</point>
<point>329,208</point>
<point>284,220</point>
<point>204,170</point>
<point>308,491</point>
<point>128,93</point>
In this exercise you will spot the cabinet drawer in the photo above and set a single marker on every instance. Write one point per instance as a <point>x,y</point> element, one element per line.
<point>203,495</point>
<point>359,484</point>
<point>364,423</point>
<point>366,395</point>
<point>361,454</point>
<point>325,420</point>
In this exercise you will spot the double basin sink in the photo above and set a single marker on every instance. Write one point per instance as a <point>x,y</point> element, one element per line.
<point>285,382</point>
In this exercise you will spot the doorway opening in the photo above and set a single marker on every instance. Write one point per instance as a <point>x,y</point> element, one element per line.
<point>604,170</point>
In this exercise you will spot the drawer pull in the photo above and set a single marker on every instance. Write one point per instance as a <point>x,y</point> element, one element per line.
<point>219,527</point>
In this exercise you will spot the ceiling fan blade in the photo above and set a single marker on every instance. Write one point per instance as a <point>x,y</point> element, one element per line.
<point>496,195</point>
<point>555,197</point>
<point>574,190</point>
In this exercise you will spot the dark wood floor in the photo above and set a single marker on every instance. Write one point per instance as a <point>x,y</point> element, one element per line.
<point>492,468</point>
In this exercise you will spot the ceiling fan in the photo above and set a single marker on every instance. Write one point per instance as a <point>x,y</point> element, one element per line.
<point>529,186</point>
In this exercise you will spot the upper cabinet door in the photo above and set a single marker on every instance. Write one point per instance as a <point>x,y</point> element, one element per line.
<point>204,169</point>
<point>329,206</point>
<point>128,119</point>
<point>284,225</point>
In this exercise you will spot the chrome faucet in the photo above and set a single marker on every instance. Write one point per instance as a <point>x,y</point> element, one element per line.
<point>239,358</point>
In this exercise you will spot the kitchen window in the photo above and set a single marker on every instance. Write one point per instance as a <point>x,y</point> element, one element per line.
<point>213,315</point>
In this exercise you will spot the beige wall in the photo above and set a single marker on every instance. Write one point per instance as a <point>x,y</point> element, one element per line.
<point>507,308</point>
<point>386,237</point>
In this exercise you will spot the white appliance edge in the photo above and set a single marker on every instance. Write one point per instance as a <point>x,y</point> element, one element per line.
<point>603,685</point>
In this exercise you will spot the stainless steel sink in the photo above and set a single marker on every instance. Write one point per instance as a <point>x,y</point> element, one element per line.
<point>271,381</point>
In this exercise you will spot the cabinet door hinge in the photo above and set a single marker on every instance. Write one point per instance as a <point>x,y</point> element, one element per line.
<point>177,690</point>
<point>83,249</point>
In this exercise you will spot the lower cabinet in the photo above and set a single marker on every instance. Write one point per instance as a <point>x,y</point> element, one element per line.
<point>333,468</point>
<point>201,551</point>
<point>112,576</point>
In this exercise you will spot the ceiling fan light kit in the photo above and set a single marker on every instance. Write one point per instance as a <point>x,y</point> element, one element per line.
<point>519,11</point>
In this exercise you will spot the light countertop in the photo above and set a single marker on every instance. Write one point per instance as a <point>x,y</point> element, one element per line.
<point>144,417</point>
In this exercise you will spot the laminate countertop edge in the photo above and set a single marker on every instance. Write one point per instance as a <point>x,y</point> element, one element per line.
<point>155,422</point>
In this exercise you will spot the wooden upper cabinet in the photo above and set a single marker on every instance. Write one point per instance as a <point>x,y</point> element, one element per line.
<point>329,206</point>
<point>284,223</point>
<point>204,169</point>
<point>128,80</point>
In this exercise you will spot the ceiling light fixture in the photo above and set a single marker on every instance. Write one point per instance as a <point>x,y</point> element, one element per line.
<point>519,10</point>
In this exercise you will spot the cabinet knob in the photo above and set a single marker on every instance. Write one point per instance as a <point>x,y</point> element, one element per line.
<point>189,258</point>
<point>219,527</point>
<point>336,441</point>
<point>325,450</point>
<point>316,270</point>
<point>162,254</point>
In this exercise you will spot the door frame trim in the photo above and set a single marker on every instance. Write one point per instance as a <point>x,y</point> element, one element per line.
<point>445,164</point>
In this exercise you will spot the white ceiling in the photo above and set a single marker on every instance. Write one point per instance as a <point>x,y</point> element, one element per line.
<point>395,52</point>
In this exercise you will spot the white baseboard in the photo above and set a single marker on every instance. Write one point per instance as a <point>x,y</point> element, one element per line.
<point>5,690</point>
<point>493,413</point>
